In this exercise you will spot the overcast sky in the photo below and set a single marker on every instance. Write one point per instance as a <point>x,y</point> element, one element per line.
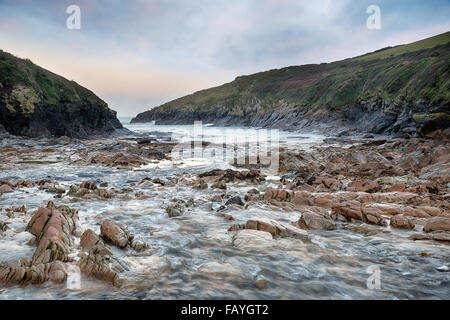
<point>139,54</point>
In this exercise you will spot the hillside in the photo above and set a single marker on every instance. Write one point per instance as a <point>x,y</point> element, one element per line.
<point>393,90</point>
<point>37,102</point>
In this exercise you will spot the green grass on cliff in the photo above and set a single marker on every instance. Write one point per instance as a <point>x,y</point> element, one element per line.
<point>410,72</point>
<point>402,49</point>
<point>26,84</point>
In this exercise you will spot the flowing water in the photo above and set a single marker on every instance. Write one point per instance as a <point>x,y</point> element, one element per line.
<point>193,256</point>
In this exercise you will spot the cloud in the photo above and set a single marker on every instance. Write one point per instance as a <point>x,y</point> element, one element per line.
<point>138,54</point>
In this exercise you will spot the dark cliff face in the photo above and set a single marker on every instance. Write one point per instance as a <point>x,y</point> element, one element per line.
<point>405,89</point>
<point>35,102</point>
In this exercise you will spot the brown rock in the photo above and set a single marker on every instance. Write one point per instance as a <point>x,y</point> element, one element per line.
<point>311,221</point>
<point>437,224</point>
<point>363,186</point>
<point>402,222</point>
<point>116,233</point>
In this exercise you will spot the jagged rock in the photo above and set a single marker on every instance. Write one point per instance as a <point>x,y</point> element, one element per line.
<point>363,186</point>
<point>22,273</point>
<point>276,228</point>
<point>219,185</point>
<point>53,228</point>
<point>252,239</point>
<point>97,265</point>
<point>202,185</point>
<point>89,239</point>
<point>138,243</point>
<point>437,224</point>
<point>88,185</point>
<point>402,222</point>
<point>252,195</point>
<point>311,221</point>
<point>115,233</point>
<point>235,200</point>
<point>5,188</point>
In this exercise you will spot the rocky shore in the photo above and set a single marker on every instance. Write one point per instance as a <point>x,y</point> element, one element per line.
<point>126,220</point>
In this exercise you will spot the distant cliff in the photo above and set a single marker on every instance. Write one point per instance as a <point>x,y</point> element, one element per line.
<point>36,102</point>
<point>404,89</point>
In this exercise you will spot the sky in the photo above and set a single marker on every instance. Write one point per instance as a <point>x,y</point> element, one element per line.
<point>138,54</point>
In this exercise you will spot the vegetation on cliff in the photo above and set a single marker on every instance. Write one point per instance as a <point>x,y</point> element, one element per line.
<point>406,74</point>
<point>35,101</point>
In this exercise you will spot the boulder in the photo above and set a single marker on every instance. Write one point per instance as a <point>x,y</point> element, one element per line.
<point>437,224</point>
<point>363,186</point>
<point>234,200</point>
<point>115,233</point>
<point>402,222</point>
<point>311,221</point>
<point>53,228</point>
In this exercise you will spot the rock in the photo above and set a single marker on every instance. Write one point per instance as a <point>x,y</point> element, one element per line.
<point>252,195</point>
<point>363,186</point>
<point>138,243</point>
<point>89,239</point>
<point>5,188</point>
<point>252,239</point>
<point>437,224</point>
<point>311,221</point>
<point>53,227</point>
<point>115,233</point>
<point>174,211</point>
<point>347,210</point>
<point>202,185</point>
<point>276,228</point>
<point>402,222</point>
<point>220,269</point>
<point>97,265</point>
<point>23,274</point>
<point>88,185</point>
<point>219,185</point>
<point>278,194</point>
<point>235,200</point>
<point>231,175</point>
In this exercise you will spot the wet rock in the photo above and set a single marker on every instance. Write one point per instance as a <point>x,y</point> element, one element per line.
<point>24,274</point>
<point>311,221</point>
<point>115,233</point>
<point>437,224</point>
<point>402,222</point>
<point>5,188</point>
<point>89,239</point>
<point>438,236</point>
<point>53,228</point>
<point>202,185</point>
<point>97,265</point>
<point>159,181</point>
<point>252,195</point>
<point>363,186</point>
<point>174,211</point>
<point>220,269</point>
<point>276,228</point>
<point>235,200</point>
<point>88,185</point>
<point>230,175</point>
<point>138,243</point>
<point>252,239</point>
<point>278,194</point>
<point>219,185</point>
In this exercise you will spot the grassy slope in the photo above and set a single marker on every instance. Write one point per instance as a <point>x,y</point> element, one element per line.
<point>409,72</point>
<point>24,82</point>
